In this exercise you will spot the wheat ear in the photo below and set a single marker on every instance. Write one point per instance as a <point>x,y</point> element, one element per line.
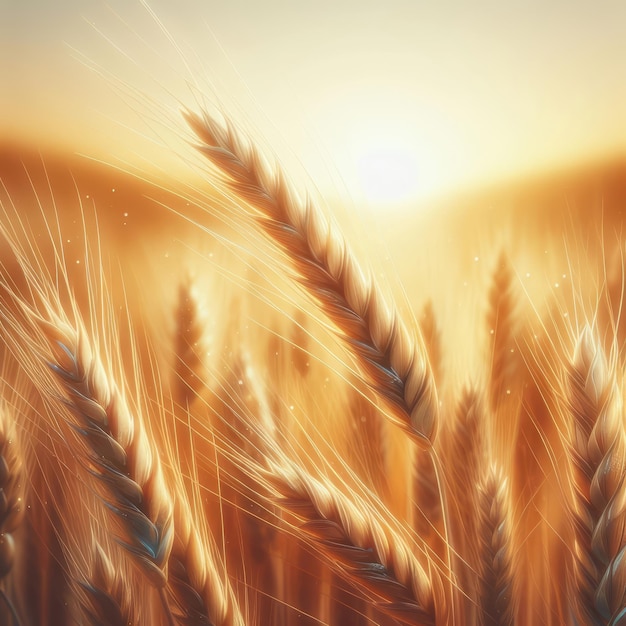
<point>500,323</point>
<point>432,339</point>
<point>496,599</point>
<point>599,457</point>
<point>201,595</point>
<point>467,449</point>
<point>392,359</point>
<point>11,500</point>
<point>119,451</point>
<point>188,339</point>
<point>104,600</point>
<point>361,545</point>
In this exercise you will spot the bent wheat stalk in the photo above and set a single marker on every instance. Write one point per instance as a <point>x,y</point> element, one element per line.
<point>392,359</point>
<point>365,549</point>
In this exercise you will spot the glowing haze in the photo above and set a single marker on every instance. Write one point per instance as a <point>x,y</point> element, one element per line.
<point>387,102</point>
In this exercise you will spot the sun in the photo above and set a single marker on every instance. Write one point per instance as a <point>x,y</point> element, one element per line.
<point>388,174</point>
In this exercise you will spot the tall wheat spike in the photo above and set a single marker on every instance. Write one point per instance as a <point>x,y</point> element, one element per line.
<point>496,594</point>
<point>188,339</point>
<point>393,360</point>
<point>504,375</point>
<point>119,452</point>
<point>467,448</point>
<point>432,339</point>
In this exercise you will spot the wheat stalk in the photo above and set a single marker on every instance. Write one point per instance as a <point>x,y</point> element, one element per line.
<point>188,338</point>
<point>199,591</point>
<point>120,452</point>
<point>496,592</point>
<point>501,326</point>
<point>598,449</point>
<point>11,500</point>
<point>432,339</point>
<point>392,359</point>
<point>365,549</point>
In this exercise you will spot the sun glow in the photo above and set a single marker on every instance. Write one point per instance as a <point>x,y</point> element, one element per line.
<point>388,174</point>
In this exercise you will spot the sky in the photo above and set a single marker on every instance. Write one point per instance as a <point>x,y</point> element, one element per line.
<point>381,101</point>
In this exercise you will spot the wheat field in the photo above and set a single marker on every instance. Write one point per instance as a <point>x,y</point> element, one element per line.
<point>216,408</point>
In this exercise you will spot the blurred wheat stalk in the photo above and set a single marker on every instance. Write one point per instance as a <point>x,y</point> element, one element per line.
<point>142,485</point>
